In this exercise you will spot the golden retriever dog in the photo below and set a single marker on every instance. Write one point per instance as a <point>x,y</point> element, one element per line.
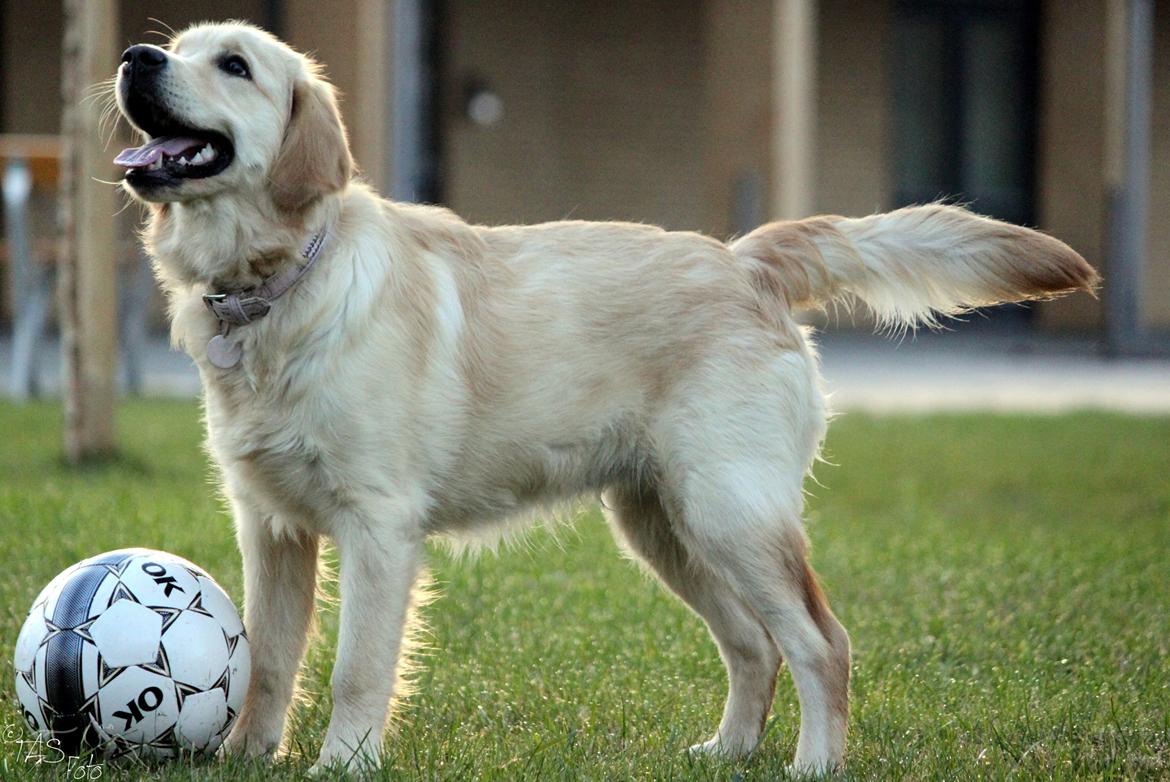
<point>379,373</point>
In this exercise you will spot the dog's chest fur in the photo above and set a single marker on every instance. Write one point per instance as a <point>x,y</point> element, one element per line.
<point>284,444</point>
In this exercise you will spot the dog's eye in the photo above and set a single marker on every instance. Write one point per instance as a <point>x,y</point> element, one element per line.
<point>235,65</point>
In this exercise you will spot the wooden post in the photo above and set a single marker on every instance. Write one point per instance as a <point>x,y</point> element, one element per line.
<point>87,283</point>
<point>794,106</point>
<point>370,104</point>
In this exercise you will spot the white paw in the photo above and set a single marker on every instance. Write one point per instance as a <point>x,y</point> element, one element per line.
<point>812,770</point>
<point>338,769</point>
<point>727,748</point>
<point>249,745</point>
<point>339,760</point>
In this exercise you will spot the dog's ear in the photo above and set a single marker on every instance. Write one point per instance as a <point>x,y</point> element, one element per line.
<point>314,157</point>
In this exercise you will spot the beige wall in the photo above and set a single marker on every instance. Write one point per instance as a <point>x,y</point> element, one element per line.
<point>853,107</point>
<point>31,66</point>
<point>1072,172</point>
<point>603,116</point>
<point>1070,187</point>
<point>335,45</point>
<point>738,107</point>
<point>571,140</point>
<point>1156,301</point>
<point>330,38</point>
<point>852,144</point>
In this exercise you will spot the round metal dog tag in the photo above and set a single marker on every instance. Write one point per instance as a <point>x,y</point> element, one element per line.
<point>222,353</point>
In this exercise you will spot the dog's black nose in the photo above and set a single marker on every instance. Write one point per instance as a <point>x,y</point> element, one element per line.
<point>145,57</point>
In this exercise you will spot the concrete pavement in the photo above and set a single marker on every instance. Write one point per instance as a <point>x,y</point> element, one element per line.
<point>956,372</point>
<point>923,373</point>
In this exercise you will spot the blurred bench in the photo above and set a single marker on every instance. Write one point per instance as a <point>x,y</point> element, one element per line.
<point>27,159</point>
<point>33,163</point>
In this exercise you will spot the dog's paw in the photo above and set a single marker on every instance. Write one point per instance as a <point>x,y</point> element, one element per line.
<point>250,746</point>
<point>355,767</point>
<point>339,761</point>
<point>813,771</point>
<point>728,747</point>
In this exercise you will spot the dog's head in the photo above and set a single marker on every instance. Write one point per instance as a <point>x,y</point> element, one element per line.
<point>227,108</point>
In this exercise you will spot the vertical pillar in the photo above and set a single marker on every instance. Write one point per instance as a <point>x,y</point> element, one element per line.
<point>411,89</point>
<point>371,119</point>
<point>88,276</point>
<point>794,50</point>
<point>1129,64</point>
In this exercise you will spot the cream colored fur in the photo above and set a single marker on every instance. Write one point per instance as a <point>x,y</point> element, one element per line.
<point>430,377</point>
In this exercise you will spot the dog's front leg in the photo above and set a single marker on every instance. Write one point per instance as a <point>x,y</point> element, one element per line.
<point>280,576</point>
<point>379,560</point>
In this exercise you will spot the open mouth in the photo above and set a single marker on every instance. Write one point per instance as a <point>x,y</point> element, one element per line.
<point>193,155</point>
<point>174,151</point>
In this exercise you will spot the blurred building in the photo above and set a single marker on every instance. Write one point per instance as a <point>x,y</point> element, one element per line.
<point>716,115</point>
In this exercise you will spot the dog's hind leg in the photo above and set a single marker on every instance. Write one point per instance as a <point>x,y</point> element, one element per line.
<point>733,444</point>
<point>766,565</point>
<point>750,655</point>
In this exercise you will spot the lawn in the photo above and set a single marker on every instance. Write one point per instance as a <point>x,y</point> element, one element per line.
<point>1005,581</point>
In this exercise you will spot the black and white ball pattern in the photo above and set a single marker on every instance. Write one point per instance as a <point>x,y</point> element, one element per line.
<point>132,652</point>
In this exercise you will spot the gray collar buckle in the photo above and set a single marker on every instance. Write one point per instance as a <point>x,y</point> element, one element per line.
<point>243,307</point>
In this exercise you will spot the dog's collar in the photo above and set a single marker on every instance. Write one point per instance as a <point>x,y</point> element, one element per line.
<point>239,308</point>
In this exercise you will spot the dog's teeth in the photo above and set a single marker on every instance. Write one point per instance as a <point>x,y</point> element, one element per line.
<point>208,153</point>
<point>198,159</point>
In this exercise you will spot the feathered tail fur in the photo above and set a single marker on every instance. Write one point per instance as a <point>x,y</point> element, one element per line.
<point>914,263</point>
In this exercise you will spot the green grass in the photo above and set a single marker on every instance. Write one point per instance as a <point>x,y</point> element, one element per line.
<point>1004,579</point>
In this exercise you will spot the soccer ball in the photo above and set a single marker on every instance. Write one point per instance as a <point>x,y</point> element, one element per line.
<point>132,652</point>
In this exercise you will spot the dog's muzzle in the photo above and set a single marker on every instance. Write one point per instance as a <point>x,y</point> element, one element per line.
<point>141,65</point>
<point>175,151</point>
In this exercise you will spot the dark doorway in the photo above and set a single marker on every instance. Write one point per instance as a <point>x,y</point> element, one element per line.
<point>964,119</point>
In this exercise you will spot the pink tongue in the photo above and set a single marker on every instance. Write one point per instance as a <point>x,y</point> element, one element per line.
<point>141,157</point>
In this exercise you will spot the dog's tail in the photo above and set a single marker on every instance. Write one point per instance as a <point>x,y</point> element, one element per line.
<point>912,264</point>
